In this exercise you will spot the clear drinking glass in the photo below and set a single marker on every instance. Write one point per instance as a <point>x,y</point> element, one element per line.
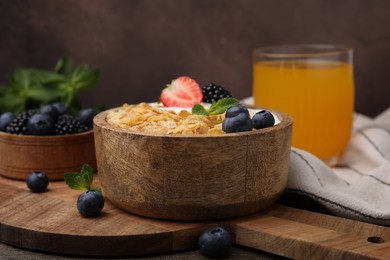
<point>315,85</point>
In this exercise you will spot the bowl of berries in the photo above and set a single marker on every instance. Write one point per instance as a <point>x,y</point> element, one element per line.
<point>48,139</point>
<point>183,158</point>
<point>43,125</point>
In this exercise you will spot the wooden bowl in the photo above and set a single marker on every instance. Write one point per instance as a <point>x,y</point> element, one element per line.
<point>54,155</point>
<point>193,177</point>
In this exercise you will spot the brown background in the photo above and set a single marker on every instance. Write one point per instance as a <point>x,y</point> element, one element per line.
<point>140,45</point>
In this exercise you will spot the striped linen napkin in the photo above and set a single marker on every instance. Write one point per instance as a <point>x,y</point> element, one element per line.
<point>359,186</point>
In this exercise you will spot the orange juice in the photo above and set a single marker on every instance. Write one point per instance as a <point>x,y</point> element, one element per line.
<point>318,94</point>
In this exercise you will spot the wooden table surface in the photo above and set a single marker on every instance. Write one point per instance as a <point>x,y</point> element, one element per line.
<point>50,222</point>
<point>237,252</point>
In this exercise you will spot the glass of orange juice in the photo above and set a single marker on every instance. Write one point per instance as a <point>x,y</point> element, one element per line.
<point>314,84</point>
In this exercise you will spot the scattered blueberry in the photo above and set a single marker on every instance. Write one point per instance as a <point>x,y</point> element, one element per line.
<point>86,116</point>
<point>237,120</point>
<point>40,124</point>
<point>215,242</point>
<point>50,110</point>
<point>5,120</point>
<point>37,181</point>
<point>90,203</point>
<point>61,108</point>
<point>263,119</point>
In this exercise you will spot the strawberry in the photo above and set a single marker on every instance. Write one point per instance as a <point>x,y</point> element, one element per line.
<point>182,92</point>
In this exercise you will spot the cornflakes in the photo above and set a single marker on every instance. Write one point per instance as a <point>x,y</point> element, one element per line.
<point>151,119</point>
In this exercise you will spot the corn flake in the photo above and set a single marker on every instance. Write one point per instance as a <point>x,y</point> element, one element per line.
<point>151,119</point>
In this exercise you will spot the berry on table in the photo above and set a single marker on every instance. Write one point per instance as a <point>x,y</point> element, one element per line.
<point>86,116</point>
<point>5,119</point>
<point>237,119</point>
<point>263,119</point>
<point>90,203</point>
<point>215,242</point>
<point>182,92</point>
<point>37,181</point>
<point>40,124</point>
<point>213,92</point>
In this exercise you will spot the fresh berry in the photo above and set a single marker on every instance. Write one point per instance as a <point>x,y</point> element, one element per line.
<point>50,110</point>
<point>215,242</point>
<point>90,203</point>
<point>5,119</point>
<point>237,119</point>
<point>40,124</point>
<point>86,116</point>
<point>182,92</point>
<point>37,181</point>
<point>61,108</point>
<point>263,119</point>
<point>213,93</point>
<point>67,124</point>
<point>19,124</point>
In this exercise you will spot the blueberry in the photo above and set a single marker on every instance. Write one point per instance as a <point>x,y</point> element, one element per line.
<point>61,108</point>
<point>237,120</point>
<point>215,242</point>
<point>50,110</point>
<point>40,124</point>
<point>236,110</point>
<point>90,203</point>
<point>5,119</point>
<point>37,181</point>
<point>86,116</point>
<point>263,119</point>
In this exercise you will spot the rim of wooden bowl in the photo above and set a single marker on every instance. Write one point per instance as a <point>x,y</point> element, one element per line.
<point>285,120</point>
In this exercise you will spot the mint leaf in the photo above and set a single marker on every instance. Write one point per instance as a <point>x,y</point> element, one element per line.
<point>216,108</point>
<point>222,105</point>
<point>199,110</point>
<point>80,180</point>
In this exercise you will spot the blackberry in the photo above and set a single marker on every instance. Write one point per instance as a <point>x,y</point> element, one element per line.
<point>213,93</point>
<point>67,124</point>
<point>19,124</point>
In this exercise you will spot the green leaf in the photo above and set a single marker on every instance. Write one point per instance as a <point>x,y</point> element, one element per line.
<point>198,109</point>
<point>64,67</point>
<point>81,180</point>
<point>222,105</point>
<point>216,108</point>
<point>20,79</point>
<point>85,80</point>
<point>32,87</point>
<point>88,171</point>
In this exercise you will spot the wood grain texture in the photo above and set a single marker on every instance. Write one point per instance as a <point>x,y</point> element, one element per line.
<point>49,222</point>
<point>54,155</point>
<point>191,177</point>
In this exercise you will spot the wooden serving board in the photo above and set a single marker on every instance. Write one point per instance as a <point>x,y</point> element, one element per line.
<point>50,222</point>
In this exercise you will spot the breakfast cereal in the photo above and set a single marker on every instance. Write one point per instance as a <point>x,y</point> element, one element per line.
<point>146,118</point>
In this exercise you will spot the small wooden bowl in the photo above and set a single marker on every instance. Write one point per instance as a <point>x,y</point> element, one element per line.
<point>54,155</point>
<point>193,177</point>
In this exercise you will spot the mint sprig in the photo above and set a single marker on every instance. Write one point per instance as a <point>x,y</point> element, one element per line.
<point>216,108</point>
<point>32,87</point>
<point>81,180</point>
